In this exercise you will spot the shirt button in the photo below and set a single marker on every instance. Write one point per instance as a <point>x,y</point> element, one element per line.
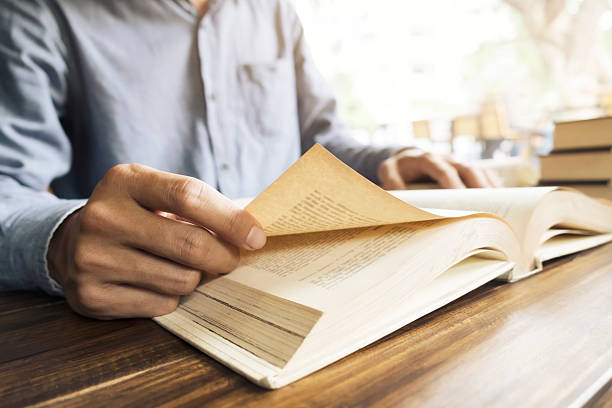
<point>212,96</point>
<point>225,166</point>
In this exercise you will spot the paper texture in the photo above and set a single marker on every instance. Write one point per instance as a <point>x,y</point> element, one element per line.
<point>320,193</point>
<point>515,205</point>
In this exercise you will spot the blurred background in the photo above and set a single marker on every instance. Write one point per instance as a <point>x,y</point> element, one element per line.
<point>481,79</point>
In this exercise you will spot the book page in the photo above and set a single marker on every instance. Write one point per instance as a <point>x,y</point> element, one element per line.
<point>564,244</point>
<point>277,295</point>
<point>455,282</point>
<point>329,229</point>
<point>321,193</point>
<point>322,269</point>
<point>515,205</point>
<point>531,212</point>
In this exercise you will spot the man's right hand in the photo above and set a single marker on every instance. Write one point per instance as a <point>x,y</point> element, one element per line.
<point>117,257</point>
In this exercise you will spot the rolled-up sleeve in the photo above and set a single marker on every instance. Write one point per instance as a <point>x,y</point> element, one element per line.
<point>34,149</point>
<point>320,121</point>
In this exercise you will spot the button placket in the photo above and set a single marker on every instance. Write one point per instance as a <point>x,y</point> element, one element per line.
<point>225,174</point>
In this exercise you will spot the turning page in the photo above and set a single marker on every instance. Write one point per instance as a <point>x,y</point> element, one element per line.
<point>321,193</point>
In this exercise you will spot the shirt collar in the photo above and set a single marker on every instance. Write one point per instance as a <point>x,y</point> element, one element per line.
<point>186,5</point>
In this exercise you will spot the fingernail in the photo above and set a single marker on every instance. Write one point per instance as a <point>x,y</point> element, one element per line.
<point>256,238</point>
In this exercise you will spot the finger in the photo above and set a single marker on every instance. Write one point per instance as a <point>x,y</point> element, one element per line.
<point>121,265</point>
<point>120,301</point>
<point>441,171</point>
<point>472,176</point>
<point>192,199</point>
<point>493,178</point>
<point>389,175</point>
<point>184,243</point>
<point>132,226</point>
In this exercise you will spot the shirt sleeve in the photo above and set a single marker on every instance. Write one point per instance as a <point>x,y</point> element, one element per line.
<point>34,148</point>
<point>318,113</point>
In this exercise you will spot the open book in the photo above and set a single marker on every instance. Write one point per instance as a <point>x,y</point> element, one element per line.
<point>347,263</point>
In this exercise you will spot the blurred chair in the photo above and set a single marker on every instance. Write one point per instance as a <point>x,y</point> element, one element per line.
<point>464,125</point>
<point>421,130</point>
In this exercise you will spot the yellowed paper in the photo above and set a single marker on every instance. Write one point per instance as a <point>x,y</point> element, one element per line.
<point>320,193</point>
<point>515,205</point>
<point>322,269</point>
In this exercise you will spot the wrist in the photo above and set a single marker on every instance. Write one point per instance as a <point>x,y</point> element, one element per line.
<point>60,248</point>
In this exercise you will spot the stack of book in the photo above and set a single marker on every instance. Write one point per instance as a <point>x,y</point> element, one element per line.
<point>581,157</point>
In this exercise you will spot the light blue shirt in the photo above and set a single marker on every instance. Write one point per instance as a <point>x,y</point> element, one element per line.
<point>232,98</point>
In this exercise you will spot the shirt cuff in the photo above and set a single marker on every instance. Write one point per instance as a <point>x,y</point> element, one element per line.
<point>53,286</point>
<point>30,237</point>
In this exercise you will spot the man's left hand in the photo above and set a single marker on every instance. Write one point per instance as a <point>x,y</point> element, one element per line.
<point>413,166</point>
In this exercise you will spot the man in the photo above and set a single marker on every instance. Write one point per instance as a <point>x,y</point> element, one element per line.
<point>217,99</point>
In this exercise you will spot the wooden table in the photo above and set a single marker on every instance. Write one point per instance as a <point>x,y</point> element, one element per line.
<point>545,341</point>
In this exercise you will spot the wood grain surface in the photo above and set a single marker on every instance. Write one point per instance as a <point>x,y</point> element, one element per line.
<point>544,341</point>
